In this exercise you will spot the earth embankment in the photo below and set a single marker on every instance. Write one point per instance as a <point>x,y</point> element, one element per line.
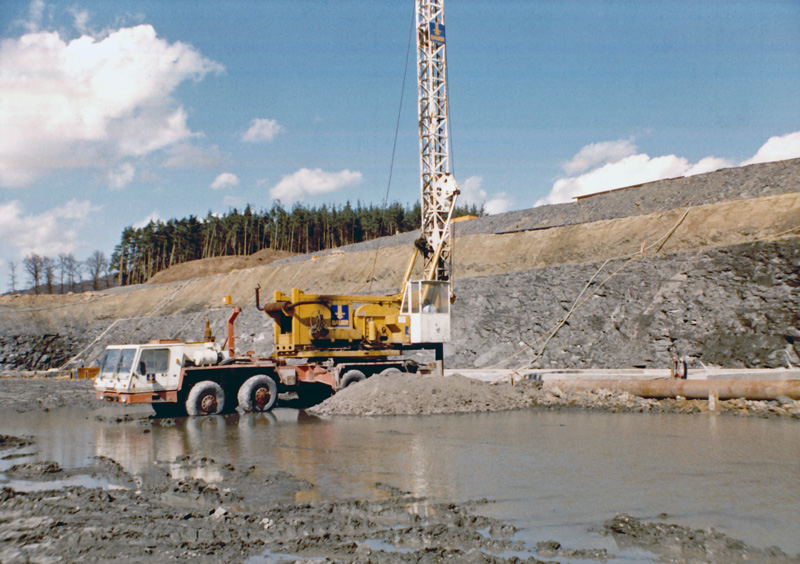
<point>703,267</point>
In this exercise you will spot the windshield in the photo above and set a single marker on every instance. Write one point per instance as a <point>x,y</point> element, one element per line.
<point>117,362</point>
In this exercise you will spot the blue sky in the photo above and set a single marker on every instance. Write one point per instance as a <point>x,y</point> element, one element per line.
<point>115,112</point>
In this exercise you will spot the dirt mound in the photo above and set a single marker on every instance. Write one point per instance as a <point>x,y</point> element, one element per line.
<point>216,265</point>
<point>412,394</point>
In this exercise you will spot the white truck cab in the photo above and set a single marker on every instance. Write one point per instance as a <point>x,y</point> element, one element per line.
<point>149,372</point>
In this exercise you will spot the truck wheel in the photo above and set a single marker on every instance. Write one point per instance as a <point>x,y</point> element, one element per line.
<point>351,377</point>
<point>205,398</point>
<point>391,371</point>
<point>258,393</point>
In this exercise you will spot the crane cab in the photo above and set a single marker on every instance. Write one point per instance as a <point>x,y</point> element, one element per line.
<point>427,304</point>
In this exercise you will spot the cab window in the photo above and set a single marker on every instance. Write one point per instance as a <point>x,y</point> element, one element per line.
<point>154,361</point>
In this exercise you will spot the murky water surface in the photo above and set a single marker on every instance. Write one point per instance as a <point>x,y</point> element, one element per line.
<point>553,475</point>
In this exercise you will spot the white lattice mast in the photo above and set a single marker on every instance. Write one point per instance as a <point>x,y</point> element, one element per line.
<point>439,189</point>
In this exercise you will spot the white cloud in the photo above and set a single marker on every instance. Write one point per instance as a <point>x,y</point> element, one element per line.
<point>777,148</point>
<point>262,130</point>
<point>623,171</point>
<point>49,233</point>
<point>622,166</point>
<point>501,203</point>
<point>308,182</point>
<point>90,102</point>
<point>153,217</point>
<point>121,176</point>
<point>225,181</point>
<point>708,164</point>
<point>599,153</point>
<point>472,193</point>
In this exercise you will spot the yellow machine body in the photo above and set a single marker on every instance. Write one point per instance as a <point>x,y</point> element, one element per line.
<point>310,325</point>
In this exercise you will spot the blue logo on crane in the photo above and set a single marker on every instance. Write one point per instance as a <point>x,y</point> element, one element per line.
<point>437,32</point>
<point>340,315</point>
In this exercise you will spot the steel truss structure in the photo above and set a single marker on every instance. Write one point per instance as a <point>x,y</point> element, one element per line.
<point>438,187</point>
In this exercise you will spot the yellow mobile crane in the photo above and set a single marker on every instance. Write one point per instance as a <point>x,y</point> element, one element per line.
<point>345,329</point>
<point>321,340</point>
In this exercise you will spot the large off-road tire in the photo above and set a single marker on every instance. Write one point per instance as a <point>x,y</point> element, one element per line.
<point>351,377</point>
<point>258,394</point>
<point>391,371</point>
<point>205,398</point>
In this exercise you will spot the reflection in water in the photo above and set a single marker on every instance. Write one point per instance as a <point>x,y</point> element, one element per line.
<point>552,474</point>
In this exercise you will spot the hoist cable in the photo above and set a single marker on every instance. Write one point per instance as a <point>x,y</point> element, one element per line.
<point>394,151</point>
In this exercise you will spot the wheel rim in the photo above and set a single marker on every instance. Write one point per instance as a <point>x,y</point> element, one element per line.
<point>261,397</point>
<point>208,403</point>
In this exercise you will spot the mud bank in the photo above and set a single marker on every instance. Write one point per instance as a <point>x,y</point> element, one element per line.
<point>676,543</point>
<point>43,394</point>
<point>157,518</point>
<point>167,515</point>
<point>427,395</point>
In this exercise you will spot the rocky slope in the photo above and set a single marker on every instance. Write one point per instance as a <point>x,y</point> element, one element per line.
<point>717,283</point>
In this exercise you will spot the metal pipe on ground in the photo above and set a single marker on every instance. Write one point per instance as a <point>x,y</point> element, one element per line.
<point>690,389</point>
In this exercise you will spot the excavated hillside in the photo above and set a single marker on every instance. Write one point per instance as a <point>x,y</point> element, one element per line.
<point>705,267</point>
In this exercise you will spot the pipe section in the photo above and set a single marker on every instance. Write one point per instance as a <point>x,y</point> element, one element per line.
<point>690,389</point>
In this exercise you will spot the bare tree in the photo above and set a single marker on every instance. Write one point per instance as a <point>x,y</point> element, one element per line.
<point>33,264</point>
<point>49,272</point>
<point>97,263</point>
<point>78,270</point>
<point>62,270</point>
<point>66,266</point>
<point>107,273</point>
<point>12,276</point>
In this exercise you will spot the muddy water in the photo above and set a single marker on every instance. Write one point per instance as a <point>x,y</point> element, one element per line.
<point>554,475</point>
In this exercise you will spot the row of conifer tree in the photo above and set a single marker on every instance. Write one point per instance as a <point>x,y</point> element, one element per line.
<point>144,251</point>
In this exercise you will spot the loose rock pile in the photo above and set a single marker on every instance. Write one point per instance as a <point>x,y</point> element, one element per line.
<point>37,352</point>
